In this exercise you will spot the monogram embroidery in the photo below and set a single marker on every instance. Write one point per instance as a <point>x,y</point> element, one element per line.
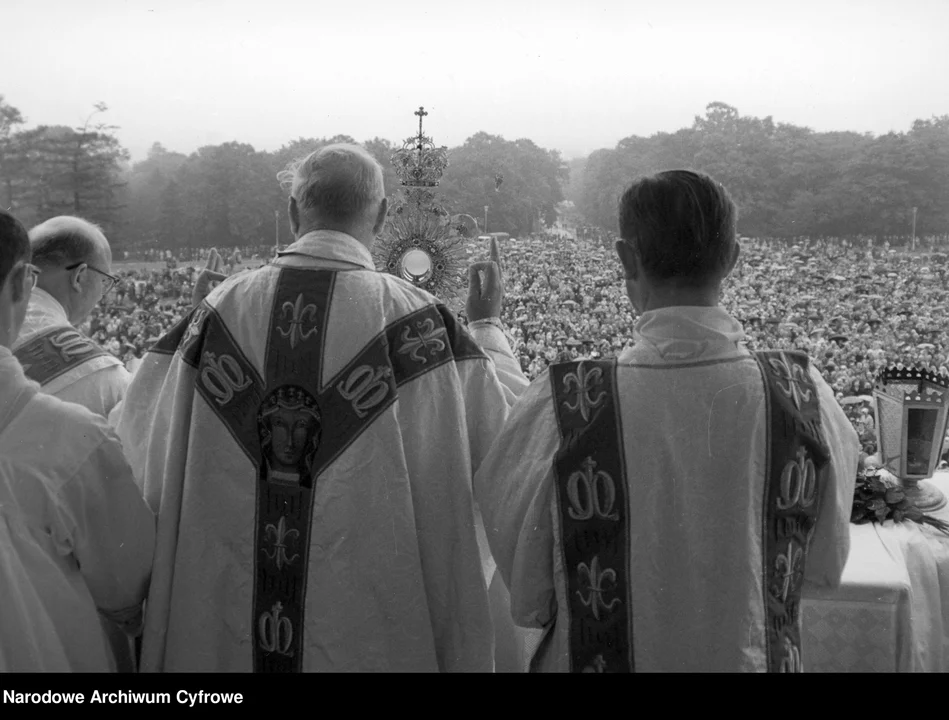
<point>598,496</point>
<point>798,482</point>
<point>223,378</point>
<point>71,344</point>
<point>275,632</point>
<point>365,388</point>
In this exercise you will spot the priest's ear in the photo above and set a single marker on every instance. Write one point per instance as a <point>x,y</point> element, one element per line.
<point>629,259</point>
<point>21,283</point>
<point>733,261</point>
<point>381,217</point>
<point>294,212</point>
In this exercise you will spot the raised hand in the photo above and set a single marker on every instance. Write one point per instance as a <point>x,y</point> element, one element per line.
<point>209,278</point>
<point>485,287</point>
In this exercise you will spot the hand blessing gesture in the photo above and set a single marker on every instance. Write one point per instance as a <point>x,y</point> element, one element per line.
<point>485,291</point>
<point>209,278</point>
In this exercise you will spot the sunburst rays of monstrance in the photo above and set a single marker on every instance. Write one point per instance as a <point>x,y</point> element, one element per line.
<point>422,242</point>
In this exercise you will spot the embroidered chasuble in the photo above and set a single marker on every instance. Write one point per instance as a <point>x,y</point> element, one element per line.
<point>65,362</point>
<point>661,512</point>
<point>307,436</point>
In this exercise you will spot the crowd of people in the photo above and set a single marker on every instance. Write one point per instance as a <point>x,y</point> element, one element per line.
<point>854,309</point>
<point>341,478</point>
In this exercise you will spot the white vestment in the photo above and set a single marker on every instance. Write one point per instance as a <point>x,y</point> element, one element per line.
<point>683,466</point>
<point>97,383</point>
<point>308,435</point>
<point>75,534</point>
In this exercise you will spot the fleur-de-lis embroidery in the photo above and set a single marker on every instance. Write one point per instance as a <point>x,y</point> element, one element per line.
<point>598,496</point>
<point>298,314</point>
<point>71,344</point>
<point>584,383</point>
<point>275,632</point>
<point>365,388</point>
<point>223,378</point>
<point>428,339</point>
<point>788,564</point>
<point>194,328</point>
<point>595,588</point>
<point>799,386</point>
<point>798,482</point>
<point>791,662</point>
<point>280,535</point>
<point>597,665</point>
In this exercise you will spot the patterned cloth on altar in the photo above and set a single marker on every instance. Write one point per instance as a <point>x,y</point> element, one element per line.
<point>693,574</point>
<point>308,436</point>
<point>891,611</point>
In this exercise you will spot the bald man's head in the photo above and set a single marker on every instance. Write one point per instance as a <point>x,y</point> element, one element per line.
<point>63,241</point>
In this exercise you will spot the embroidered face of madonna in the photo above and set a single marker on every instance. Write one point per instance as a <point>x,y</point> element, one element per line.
<point>292,433</point>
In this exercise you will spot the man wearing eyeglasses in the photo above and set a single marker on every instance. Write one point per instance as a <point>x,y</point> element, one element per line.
<point>75,273</point>
<point>76,537</point>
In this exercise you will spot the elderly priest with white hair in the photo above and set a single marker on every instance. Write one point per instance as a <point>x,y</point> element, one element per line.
<point>307,436</point>
<point>661,511</point>
<point>75,261</point>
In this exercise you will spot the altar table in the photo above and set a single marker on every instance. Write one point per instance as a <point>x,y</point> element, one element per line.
<point>891,612</point>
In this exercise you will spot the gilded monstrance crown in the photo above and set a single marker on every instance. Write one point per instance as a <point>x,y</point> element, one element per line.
<point>422,242</point>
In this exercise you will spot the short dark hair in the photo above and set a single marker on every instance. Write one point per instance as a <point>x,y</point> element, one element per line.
<point>683,225</point>
<point>14,244</point>
<point>63,241</point>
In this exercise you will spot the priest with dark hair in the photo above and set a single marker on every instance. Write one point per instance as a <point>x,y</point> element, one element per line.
<point>663,510</point>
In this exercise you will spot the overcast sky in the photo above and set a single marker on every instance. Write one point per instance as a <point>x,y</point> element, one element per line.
<point>575,75</point>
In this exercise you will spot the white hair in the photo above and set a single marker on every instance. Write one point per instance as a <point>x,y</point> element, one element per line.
<point>338,182</point>
<point>64,240</point>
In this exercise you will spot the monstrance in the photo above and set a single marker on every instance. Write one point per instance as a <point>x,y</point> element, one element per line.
<point>422,242</point>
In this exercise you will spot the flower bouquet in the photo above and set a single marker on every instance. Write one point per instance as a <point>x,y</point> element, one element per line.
<point>877,499</point>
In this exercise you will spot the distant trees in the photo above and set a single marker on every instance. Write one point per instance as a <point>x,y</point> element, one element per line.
<point>56,170</point>
<point>788,180</point>
<point>531,188</point>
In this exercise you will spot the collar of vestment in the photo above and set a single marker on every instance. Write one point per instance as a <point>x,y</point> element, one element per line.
<point>333,246</point>
<point>684,333</point>
<point>42,303</point>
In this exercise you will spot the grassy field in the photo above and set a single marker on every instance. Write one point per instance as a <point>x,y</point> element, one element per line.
<point>133,265</point>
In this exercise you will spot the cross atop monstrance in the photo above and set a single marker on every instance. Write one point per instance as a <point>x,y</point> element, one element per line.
<point>421,113</point>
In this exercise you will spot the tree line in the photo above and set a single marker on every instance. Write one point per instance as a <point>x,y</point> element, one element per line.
<point>787,180</point>
<point>227,195</point>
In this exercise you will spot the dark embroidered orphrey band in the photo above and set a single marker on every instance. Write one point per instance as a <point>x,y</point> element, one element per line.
<point>593,516</point>
<point>56,352</point>
<point>798,461</point>
<point>292,428</point>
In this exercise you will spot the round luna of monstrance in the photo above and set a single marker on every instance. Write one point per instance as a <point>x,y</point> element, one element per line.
<point>416,266</point>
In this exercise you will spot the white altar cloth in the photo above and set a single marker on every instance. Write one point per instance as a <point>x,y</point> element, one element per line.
<point>891,612</point>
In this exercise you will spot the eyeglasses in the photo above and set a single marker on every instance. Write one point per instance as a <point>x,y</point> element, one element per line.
<point>113,280</point>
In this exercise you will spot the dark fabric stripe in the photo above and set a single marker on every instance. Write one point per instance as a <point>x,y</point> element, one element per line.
<point>55,352</point>
<point>594,519</point>
<point>292,414</point>
<point>798,462</point>
<point>463,346</point>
